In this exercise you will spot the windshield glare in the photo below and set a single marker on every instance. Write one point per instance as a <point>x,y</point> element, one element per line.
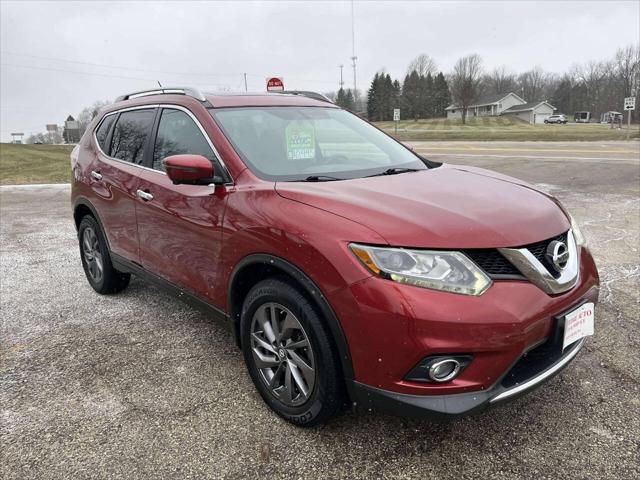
<point>293,143</point>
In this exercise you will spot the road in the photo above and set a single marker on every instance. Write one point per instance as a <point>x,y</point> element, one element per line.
<point>139,385</point>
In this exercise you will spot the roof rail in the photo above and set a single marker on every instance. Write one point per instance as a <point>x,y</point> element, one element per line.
<point>306,93</point>
<point>190,92</point>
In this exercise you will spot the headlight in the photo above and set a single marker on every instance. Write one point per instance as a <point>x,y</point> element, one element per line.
<point>577,234</point>
<point>438,270</point>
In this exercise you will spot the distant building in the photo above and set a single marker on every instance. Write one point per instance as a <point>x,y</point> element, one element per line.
<point>486,106</point>
<point>536,112</point>
<point>71,132</point>
<point>508,104</point>
<point>607,117</point>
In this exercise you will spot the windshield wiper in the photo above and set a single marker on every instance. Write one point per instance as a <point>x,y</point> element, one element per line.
<point>320,178</point>
<point>393,171</point>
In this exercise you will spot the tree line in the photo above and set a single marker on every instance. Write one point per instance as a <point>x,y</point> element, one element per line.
<point>425,92</point>
<point>595,86</point>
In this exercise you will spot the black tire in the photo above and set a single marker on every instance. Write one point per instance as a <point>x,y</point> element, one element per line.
<point>327,395</point>
<point>110,280</point>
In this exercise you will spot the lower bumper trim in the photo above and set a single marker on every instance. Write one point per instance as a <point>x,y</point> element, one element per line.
<point>550,372</point>
<point>457,404</point>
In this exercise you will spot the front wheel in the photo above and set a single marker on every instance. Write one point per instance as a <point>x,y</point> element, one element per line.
<point>96,260</point>
<point>289,354</point>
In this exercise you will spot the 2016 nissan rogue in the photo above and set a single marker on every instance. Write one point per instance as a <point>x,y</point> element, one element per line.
<point>350,269</point>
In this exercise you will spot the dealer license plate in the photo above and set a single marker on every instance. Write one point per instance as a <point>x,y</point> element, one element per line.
<point>578,324</point>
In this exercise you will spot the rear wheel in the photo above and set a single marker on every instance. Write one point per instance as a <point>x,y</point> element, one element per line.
<point>289,354</point>
<point>96,261</point>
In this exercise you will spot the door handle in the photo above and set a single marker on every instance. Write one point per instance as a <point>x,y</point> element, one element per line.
<point>96,175</point>
<point>146,196</point>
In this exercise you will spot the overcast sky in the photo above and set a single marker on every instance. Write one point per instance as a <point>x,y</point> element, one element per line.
<point>58,57</point>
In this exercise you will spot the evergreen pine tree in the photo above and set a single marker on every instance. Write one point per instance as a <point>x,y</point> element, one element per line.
<point>340,98</point>
<point>387,113</point>
<point>349,100</point>
<point>373,99</point>
<point>442,96</point>
<point>410,95</point>
<point>427,95</point>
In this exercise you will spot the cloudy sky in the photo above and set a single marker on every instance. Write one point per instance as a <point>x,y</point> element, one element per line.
<point>58,57</point>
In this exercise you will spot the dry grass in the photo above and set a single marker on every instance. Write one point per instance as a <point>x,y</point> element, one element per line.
<point>504,128</point>
<point>34,163</point>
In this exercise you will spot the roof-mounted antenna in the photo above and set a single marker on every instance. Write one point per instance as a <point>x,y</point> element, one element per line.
<point>159,84</point>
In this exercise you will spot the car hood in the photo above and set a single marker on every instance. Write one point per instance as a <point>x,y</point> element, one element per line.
<point>446,207</point>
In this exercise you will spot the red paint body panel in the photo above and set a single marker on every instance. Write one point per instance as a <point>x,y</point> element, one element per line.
<point>180,232</point>
<point>411,323</point>
<point>440,208</point>
<point>188,168</point>
<point>194,236</point>
<point>114,197</point>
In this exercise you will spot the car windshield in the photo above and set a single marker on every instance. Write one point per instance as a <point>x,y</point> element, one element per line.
<point>313,143</point>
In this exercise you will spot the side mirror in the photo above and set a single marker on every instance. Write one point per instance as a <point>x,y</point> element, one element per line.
<point>189,169</point>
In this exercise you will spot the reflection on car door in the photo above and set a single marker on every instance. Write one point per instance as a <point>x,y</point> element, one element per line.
<point>180,226</point>
<point>122,140</point>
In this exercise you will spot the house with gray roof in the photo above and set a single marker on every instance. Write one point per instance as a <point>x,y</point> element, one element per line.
<point>508,104</point>
<point>486,106</point>
<point>534,112</point>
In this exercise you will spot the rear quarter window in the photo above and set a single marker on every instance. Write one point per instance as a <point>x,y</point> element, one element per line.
<point>103,132</point>
<point>130,134</point>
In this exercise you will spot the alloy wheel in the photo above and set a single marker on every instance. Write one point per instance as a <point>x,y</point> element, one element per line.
<point>92,254</point>
<point>283,354</point>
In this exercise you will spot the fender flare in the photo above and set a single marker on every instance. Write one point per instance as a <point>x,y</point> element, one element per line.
<point>311,289</point>
<point>82,201</point>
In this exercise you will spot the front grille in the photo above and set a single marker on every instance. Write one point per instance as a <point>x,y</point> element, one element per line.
<point>493,263</point>
<point>539,250</point>
<point>497,266</point>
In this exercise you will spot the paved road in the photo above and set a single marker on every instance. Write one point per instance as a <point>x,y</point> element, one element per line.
<point>138,385</point>
<point>615,152</point>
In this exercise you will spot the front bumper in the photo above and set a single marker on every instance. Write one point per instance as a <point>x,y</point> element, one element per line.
<point>391,327</point>
<point>455,404</point>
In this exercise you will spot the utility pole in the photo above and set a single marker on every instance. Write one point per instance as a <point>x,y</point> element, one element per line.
<point>245,82</point>
<point>353,53</point>
<point>341,81</point>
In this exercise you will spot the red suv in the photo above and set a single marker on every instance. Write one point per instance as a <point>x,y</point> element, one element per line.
<point>350,269</point>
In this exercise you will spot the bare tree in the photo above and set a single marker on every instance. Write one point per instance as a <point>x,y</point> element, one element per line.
<point>465,83</point>
<point>627,69</point>
<point>591,76</point>
<point>423,64</point>
<point>89,113</point>
<point>500,81</point>
<point>532,84</point>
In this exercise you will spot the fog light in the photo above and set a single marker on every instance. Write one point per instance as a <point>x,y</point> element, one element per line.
<point>441,368</point>
<point>444,370</point>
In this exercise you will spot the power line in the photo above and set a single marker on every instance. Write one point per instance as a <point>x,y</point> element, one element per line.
<point>122,67</point>
<point>119,67</point>
<point>95,74</point>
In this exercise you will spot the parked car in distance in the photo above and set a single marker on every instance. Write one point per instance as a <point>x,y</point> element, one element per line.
<point>556,119</point>
<point>350,269</point>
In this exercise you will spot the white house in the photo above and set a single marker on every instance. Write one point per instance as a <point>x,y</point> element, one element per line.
<point>507,104</point>
<point>536,112</point>
<point>487,106</point>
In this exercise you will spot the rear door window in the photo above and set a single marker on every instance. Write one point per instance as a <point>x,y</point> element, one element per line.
<point>179,134</point>
<point>103,131</point>
<point>130,135</point>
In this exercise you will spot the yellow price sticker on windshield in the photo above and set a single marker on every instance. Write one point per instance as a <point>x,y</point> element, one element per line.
<point>301,141</point>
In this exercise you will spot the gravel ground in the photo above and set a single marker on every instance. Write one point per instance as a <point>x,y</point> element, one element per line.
<point>139,385</point>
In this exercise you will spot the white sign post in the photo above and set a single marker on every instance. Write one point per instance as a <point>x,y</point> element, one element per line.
<point>629,104</point>
<point>396,117</point>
